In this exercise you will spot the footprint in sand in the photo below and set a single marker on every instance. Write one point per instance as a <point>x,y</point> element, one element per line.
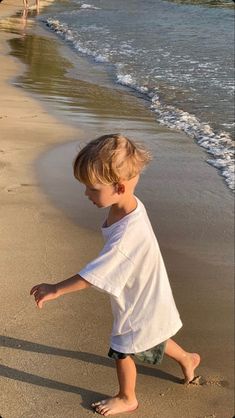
<point>2,165</point>
<point>15,187</point>
<point>215,381</point>
<point>12,187</point>
<point>209,381</point>
<point>28,117</point>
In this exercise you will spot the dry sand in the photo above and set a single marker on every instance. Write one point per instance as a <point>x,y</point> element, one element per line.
<point>53,362</point>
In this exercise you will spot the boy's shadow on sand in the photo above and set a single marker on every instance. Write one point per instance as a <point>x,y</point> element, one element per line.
<point>87,395</point>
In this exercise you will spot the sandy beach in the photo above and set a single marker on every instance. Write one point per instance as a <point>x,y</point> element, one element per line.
<point>54,362</point>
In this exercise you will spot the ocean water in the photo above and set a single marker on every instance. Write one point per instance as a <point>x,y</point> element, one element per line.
<point>179,54</point>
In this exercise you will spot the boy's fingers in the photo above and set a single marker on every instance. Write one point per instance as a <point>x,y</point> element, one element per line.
<point>39,301</point>
<point>34,289</point>
<point>39,304</point>
<point>39,294</point>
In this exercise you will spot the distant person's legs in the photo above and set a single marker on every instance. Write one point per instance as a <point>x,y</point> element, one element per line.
<point>26,4</point>
<point>37,5</point>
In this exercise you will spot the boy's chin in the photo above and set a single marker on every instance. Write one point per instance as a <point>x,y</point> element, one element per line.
<point>98,205</point>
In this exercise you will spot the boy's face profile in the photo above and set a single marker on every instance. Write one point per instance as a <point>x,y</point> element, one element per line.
<point>103,195</point>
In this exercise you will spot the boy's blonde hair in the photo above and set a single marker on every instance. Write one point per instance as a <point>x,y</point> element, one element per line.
<point>110,159</point>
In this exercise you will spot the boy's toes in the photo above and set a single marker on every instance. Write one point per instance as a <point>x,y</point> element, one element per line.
<point>95,404</point>
<point>100,407</point>
<point>104,411</point>
<point>113,406</point>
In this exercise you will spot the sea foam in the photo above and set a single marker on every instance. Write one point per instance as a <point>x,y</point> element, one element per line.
<point>218,144</point>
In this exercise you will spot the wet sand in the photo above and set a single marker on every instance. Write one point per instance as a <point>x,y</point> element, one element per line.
<point>54,362</point>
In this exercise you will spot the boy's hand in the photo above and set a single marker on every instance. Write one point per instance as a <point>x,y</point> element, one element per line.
<point>44,292</point>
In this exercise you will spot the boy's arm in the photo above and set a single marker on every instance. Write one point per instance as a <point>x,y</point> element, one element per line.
<point>44,292</point>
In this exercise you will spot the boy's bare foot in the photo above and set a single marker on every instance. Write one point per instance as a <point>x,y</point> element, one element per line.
<point>115,405</point>
<point>191,362</point>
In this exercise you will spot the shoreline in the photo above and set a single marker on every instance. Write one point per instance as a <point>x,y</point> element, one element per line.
<point>50,370</point>
<point>203,126</point>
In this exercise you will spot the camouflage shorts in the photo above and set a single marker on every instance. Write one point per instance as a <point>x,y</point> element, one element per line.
<point>152,356</point>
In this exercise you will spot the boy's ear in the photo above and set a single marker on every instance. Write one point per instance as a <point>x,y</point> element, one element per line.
<point>120,188</point>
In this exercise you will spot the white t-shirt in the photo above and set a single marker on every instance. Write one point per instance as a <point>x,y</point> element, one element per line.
<point>131,269</point>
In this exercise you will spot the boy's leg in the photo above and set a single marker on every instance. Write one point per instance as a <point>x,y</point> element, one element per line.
<point>125,400</point>
<point>187,361</point>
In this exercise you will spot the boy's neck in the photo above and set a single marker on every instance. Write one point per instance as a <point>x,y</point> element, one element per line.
<point>121,209</point>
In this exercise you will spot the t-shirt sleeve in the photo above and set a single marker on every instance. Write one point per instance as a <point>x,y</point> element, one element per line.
<point>109,271</point>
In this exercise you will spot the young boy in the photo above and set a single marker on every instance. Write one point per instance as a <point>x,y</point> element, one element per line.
<point>129,267</point>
